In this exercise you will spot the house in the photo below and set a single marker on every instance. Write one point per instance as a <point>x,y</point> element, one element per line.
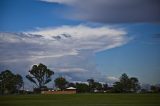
<point>70,90</point>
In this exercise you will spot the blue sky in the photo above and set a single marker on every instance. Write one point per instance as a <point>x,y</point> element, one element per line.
<point>21,15</point>
<point>104,46</point>
<point>140,57</point>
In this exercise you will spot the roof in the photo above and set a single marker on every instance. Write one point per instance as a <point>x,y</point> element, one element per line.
<point>71,88</point>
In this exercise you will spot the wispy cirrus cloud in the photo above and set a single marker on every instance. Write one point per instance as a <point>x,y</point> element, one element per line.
<point>60,1</point>
<point>66,49</point>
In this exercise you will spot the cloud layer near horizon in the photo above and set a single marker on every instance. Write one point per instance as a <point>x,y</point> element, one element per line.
<point>68,50</point>
<point>113,11</point>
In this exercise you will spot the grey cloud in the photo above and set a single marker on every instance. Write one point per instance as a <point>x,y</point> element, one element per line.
<point>156,36</point>
<point>114,11</point>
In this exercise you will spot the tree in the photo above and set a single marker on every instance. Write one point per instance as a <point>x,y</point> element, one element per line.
<point>40,75</point>
<point>126,84</point>
<point>82,87</point>
<point>117,87</point>
<point>91,84</point>
<point>10,83</point>
<point>90,81</point>
<point>60,83</point>
<point>155,89</point>
<point>94,85</point>
<point>71,84</point>
<point>134,84</point>
<point>105,86</point>
<point>98,86</point>
<point>125,81</point>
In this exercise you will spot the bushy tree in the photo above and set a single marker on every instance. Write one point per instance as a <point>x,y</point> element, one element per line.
<point>126,84</point>
<point>9,82</point>
<point>93,85</point>
<point>105,86</point>
<point>70,84</point>
<point>98,86</point>
<point>117,87</point>
<point>155,89</point>
<point>82,87</point>
<point>40,75</point>
<point>60,83</point>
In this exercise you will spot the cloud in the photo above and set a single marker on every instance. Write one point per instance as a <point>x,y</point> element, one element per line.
<point>71,70</point>
<point>60,1</point>
<point>113,11</point>
<point>112,79</point>
<point>82,37</point>
<point>66,50</point>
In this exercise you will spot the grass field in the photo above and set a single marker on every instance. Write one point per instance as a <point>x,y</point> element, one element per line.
<point>82,100</point>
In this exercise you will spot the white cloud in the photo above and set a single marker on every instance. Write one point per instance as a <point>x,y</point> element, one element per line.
<point>112,79</point>
<point>82,37</point>
<point>69,48</point>
<point>71,70</point>
<point>60,41</point>
<point>60,1</point>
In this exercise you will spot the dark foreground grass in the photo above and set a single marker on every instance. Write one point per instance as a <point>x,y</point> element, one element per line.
<point>82,100</point>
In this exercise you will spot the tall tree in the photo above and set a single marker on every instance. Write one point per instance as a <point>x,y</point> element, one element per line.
<point>126,84</point>
<point>125,81</point>
<point>91,84</point>
<point>60,83</point>
<point>9,82</point>
<point>40,75</point>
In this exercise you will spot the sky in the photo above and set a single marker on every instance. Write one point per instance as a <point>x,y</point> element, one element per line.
<point>81,39</point>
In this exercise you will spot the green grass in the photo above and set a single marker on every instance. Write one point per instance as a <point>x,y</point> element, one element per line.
<point>82,100</point>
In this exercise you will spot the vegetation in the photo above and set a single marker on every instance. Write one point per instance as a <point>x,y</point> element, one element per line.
<point>126,84</point>
<point>82,88</point>
<point>40,75</point>
<point>155,89</point>
<point>9,82</point>
<point>94,85</point>
<point>82,100</point>
<point>91,85</point>
<point>60,83</point>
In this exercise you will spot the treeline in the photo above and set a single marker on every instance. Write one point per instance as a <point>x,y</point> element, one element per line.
<point>40,75</point>
<point>125,85</point>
